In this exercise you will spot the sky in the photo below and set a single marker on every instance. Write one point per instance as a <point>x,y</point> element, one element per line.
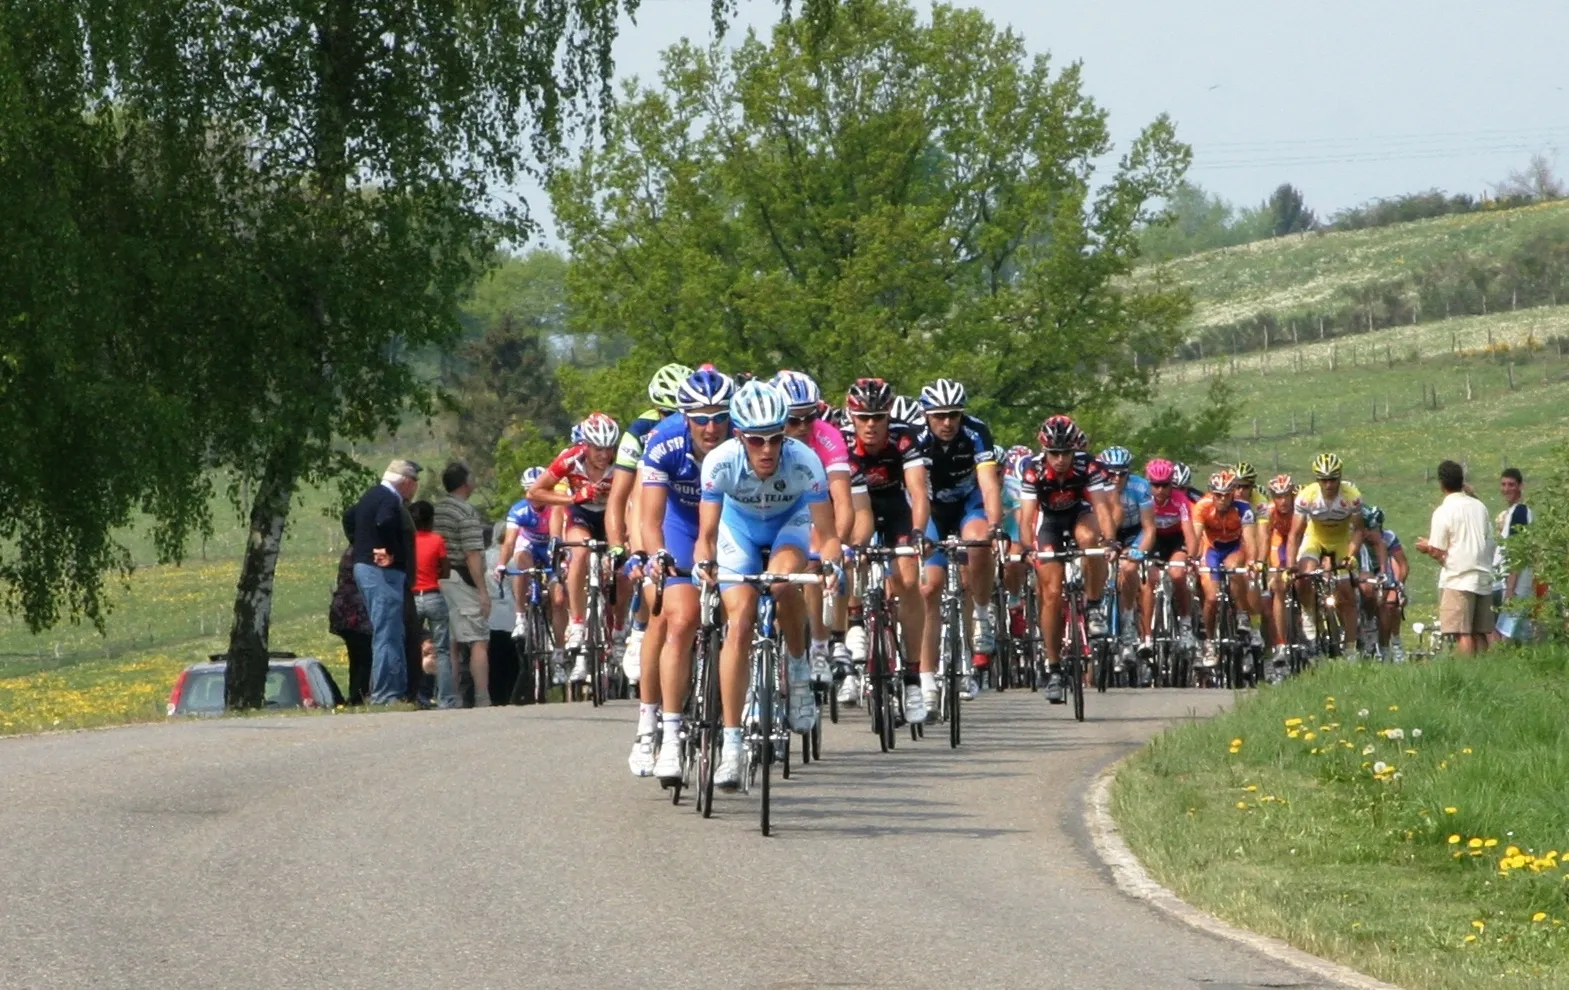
<point>1348,101</point>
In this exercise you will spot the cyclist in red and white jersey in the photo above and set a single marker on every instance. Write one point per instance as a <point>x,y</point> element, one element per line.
<point>1175,543</point>
<point>586,468</point>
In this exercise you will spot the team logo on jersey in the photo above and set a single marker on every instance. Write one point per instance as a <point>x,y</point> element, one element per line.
<point>780,485</point>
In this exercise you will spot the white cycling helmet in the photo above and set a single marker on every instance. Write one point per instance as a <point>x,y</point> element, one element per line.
<point>943,395</point>
<point>665,386</point>
<point>907,411</point>
<point>600,430</point>
<point>759,407</point>
<point>530,476</point>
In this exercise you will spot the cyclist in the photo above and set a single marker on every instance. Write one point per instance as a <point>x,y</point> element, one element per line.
<point>1327,527</point>
<point>1246,490</point>
<point>1175,543</point>
<point>805,423</point>
<point>622,522</point>
<point>762,493</point>
<point>537,525</point>
<point>1065,497</point>
<point>1227,536</point>
<point>671,470</point>
<point>888,485</point>
<point>1182,480</point>
<point>1133,511</point>
<point>1383,568</point>
<point>1273,539</point>
<point>966,501</point>
<point>1013,460</point>
<point>907,410</point>
<point>586,468</point>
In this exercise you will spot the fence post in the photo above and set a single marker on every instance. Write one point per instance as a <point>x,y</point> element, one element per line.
<point>1454,342</point>
<point>1389,357</point>
<point>1293,332</point>
<point>1255,427</point>
<point>1511,376</point>
<point>1293,422</point>
<point>1320,328</point>
<point>1375,410</point>
<point>1312,421</point>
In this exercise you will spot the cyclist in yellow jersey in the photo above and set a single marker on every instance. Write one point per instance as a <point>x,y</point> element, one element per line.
<point>1327,531</point>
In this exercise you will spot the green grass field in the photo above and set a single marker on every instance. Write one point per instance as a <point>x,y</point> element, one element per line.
<point>1293,274</point>
<point>1426,856</point>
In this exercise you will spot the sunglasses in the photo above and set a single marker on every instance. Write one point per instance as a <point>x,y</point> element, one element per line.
<point>1118,474</point>
<point>704,419</point>
<point>1160,484</point>
<point>757,442</point>
<point>945,414</point>
<point>868,417</point>
<point>805,420</point>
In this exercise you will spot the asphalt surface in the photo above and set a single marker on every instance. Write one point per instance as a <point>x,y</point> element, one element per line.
<point>511,848</point>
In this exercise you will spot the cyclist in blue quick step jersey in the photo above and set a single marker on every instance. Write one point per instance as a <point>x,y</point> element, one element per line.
<point>762,494</point>
<point>525,543</point>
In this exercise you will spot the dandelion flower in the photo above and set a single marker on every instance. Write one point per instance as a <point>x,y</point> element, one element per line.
<point>1470,938</point>
<point>1475,843</point>
<point>1454,840</point>
<point>1416,733</point>
<point>1380,767</point>
<point>1362,713</point>
<point>1450,810</point>
<point>1236,742</point>
<point>1466,751</point>
<point>1242,806</point>
<point>1251,788</point>
<point>1490,843</point>
<point>1539,916</point>
<point>1310,736</point>
<point>1479,925</point>
<point>1367,750</point>
<point>1293,722</point>
<point>1410,752</point>
<point>1394,708</point>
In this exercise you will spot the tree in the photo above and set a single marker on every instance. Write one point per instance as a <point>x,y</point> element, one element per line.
<point>326,179</point>
<point>889,198</point>
<point>504,377</point>
<point>1536,182</point>
<point>1200,221</point>
<point>1288,212</point>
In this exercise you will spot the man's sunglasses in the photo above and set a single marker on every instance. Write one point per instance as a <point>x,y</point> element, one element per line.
<point>760,442</point>
<point>1118,474</point>
<point>1160,484</point>
<point>945,414</point>
<point>703,419</point>
<point>803,420</point>
<point>868,417</point>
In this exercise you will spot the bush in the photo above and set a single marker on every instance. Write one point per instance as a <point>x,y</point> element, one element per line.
<point>1544,546</point>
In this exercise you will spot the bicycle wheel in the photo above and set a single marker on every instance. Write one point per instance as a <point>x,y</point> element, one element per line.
<point>953,647</point>
<point>763,689</point>
<point>1074,651</point>
<point>710,727</point>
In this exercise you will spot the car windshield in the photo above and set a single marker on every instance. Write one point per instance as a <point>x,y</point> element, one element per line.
<point>204,690</point>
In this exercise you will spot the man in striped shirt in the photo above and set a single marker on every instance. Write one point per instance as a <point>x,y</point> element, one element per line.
<point>468,602</point>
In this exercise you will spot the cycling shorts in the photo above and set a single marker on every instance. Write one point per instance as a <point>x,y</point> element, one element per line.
<point>592,520</point>
<point>1055,529</point>
<point>539,550</point>
<point>892,521</point>
<point>1167,545</point>
<point>1315,546</point>
<point>680,539</point>
<point>949,519</point>
<point>745,542</point>
<point>1217,553</point>
<point>1131,537</point>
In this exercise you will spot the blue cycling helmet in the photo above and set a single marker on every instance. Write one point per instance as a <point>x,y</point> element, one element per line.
<point>759,407</point>
<point>705,387</point>
<point>530,476</point>
<point>799,389</point>
<point>1116,458</point>
<point>577,433</point>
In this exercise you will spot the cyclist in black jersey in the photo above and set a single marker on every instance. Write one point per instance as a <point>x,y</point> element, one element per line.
<point>966,494</point>
<point>888,490</point>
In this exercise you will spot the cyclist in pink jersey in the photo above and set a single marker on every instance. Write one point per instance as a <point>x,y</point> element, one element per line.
<point>806,423</point>
<point>1175,540</point>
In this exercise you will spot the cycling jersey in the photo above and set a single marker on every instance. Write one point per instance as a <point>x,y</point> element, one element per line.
<point>1065,492</point>
<point>798,480</point>
<point>630,450</point>
<point>571,465</point>
<point>1136,496</point>
<point>668,463</point>
<point>1329,517</point>
<point>1367,557</point>
<point>532,524</point>
<point>1223,521</point>
<point>954,464</point>
<point>1010,504</point>
<point>1172,513</point>
<point>881,474</point>
<point>828,443</point>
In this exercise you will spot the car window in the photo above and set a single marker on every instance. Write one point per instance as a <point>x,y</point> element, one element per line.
<point>283,688</point>
<point>203,691</point>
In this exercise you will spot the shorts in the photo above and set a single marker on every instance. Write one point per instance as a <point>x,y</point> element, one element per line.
<point>1130,537</point>
<point>1315,546</point>
<point>949,519</point>
<point>1168,545</point>
<point>1464,613</point>
<point>745,542</point>
<point>464,618</point>
<point>592,520</point>
<point>680,540</point>
<point>539,550</point>
<point>1217,553</point>
<point>893,523</point>
<point>1054,530</point>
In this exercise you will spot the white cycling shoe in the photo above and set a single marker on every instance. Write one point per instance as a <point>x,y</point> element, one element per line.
<point>855,643</point>
<point>632,655</point>
<point>668,766</point>
<point>914,704</point>
<point>642,759</point>
<point>803,702</point>
<point>967,689</point>
<point>728,774</point>
<point>985,631</point>
<point>850,690</point>
<point>579,669</point>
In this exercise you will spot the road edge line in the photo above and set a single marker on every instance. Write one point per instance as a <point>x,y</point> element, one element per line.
<point>1132,879</point>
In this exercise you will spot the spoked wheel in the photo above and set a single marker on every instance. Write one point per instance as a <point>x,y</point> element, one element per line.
<point>1074,662</point>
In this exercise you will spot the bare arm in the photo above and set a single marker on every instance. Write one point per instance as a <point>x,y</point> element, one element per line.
<point>865,520</point>
<point>616,528</point>
<point>920,499</point>
<point>843,505</point>
<point>544,491</point>
<point>990,479</point>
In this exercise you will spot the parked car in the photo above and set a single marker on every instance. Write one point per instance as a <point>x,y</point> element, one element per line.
<point>292,682</point>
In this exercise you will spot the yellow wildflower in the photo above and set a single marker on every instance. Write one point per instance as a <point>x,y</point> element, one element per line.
<point>1475,843</point>
<point>1450,810</point>
<point>1454,840</point>
<point>1539,916</point>
<point>1291,722</point>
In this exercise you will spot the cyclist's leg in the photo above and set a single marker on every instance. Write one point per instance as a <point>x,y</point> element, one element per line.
<point>1086,532</point>
<point>980,571</point>
<point>940,526</point>
<point>1347,600</point>
<point>1307,567</point>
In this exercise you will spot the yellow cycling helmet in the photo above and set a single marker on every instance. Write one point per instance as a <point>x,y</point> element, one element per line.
<point>1327,466</point>
<point>1246,473</point>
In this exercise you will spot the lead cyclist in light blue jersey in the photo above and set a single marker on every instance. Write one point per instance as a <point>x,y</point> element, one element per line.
<point>762,494</point>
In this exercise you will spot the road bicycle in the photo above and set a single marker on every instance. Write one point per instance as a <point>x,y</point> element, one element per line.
<point>536,645</point>
<point>882,687</point>
<point>1171,659</point>
<point>953,645</point>
<point>1076,642</point>
<point>1232,669</point>
<point>1329,582</point>
<point>1299,649</point>
<point>702,721</point>
<point>605,679</point>
<point>1026,650</point>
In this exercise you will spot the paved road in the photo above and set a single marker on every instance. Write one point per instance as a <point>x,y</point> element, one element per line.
<point>510,848</point>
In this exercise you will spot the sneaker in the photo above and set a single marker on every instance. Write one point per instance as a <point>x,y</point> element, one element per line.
<point>850,690</point>
<point>855,643</point>
<point>821,673</point>
<point>915,704</point>
<point>728,774</point>
<point>1056,688</point>
<point>642,759</point>
<point>632,655</point>
<point>985,630</point>
<point>579,669</point>
<point>803,701</point>
<point>1096,620</point>
<point>576,633</point>
<point>968,689</point>
<point>668,766</point>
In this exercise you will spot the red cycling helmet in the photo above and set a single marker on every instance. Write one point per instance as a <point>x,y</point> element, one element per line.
<point>869,395</point>
<point>1158,471</point>
<point>1061,433</point>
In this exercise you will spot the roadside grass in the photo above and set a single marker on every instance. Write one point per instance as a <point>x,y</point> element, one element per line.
<point>1427,856</point>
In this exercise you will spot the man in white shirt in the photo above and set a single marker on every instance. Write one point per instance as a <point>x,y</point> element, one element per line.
<point>1461,540</point>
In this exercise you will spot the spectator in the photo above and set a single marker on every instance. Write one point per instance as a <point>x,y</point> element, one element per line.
<point>504,672</point>
<point>1461,540</point>
<point>375,527</point>
<point>1506,585</point>
<point>468,603</point>
<point>430,566</point>
<point>348,620</point>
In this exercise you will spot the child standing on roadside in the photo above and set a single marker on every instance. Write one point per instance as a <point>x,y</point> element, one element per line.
<point>430,566</point>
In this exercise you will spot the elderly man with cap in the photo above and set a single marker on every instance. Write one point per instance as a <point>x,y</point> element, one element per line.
<point>375,525</point>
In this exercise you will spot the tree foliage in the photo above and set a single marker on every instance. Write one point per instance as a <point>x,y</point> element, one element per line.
<point>1197,220</point>
<point>1288,211</point>
<point>1543,546</point>
<point>893,197</point>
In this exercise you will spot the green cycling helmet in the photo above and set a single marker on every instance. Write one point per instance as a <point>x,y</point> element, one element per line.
<point>662,388</point>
